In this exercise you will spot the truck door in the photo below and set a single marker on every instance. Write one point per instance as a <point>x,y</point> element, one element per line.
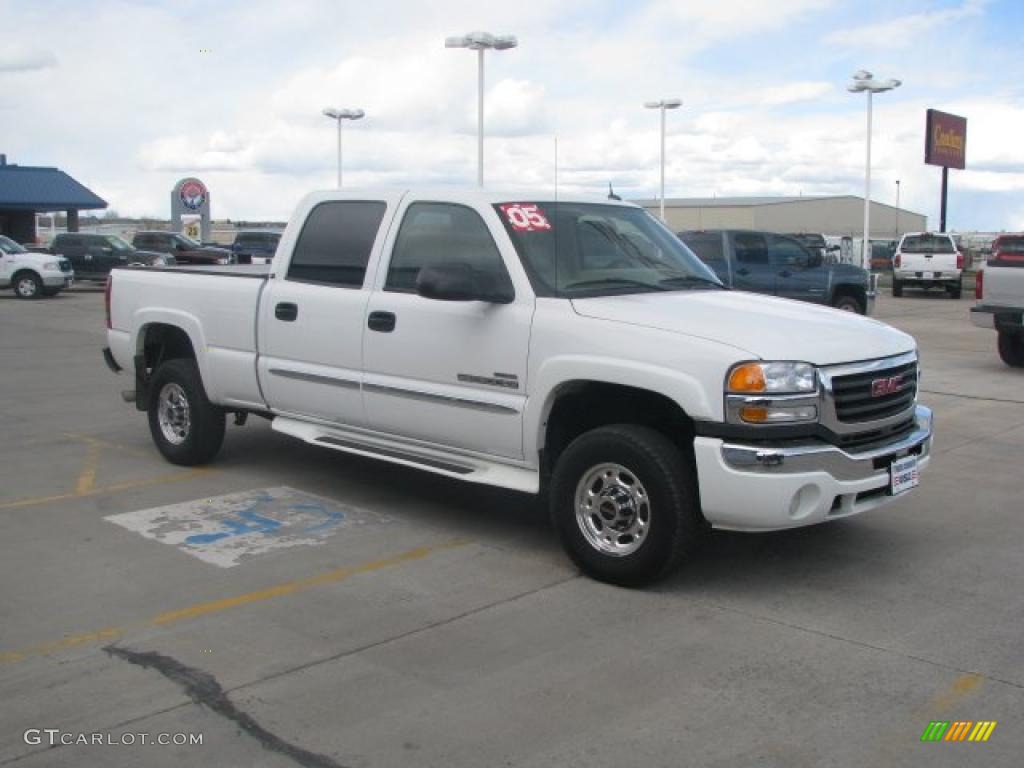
<point>311,318</point>
<point>448,372</point>
<point>73,248</point>
<point>799,274</point>
<point>752,270</point>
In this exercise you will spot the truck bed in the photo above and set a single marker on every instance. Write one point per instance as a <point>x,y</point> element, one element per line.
<point>216,306</point>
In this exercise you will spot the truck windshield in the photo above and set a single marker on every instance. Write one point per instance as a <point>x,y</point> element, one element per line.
<point>577,250</point>
<point>9,246</point>
<point>117,243</point>
<point>927,244</point>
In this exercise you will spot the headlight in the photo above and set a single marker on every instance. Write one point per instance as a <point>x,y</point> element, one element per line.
<point>771,393</point>
<point>52,265</point>
<point>159,261</point>
<point>749,378</point>
<point>223,261</point>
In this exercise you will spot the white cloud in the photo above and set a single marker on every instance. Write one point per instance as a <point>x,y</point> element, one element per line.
<point>906,31</point>
<point>793,93</point>
<point>18,58</point>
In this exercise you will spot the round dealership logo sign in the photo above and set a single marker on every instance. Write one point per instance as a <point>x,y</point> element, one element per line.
<point>193,194</point>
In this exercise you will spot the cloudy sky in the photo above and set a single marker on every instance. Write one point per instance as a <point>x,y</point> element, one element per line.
<point>129,97</point>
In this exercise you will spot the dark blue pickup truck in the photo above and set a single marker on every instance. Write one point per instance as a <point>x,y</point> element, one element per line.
<point>764,262</point>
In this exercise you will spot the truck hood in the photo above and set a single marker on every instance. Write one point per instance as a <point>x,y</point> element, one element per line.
<point>762,326</point>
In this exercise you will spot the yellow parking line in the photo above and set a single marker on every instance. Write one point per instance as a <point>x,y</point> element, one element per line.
<point>176,477</point>
<point>218,606</point>
<point>87,477</point>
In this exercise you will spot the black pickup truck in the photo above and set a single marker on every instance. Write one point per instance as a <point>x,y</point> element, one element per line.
<point>93,255</point>
<point>778,265</point>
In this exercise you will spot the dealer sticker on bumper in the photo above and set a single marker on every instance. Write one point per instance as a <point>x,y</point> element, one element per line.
<point>904,474</point>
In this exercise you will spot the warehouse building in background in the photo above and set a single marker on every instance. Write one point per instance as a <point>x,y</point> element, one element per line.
<point>828,215</point>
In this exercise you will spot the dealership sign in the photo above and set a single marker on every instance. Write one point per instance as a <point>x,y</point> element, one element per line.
<point>190,200</point>
<point>945,140</point>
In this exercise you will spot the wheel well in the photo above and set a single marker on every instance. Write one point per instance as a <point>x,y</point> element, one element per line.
<point>852,291</point>
<point>24,271</point>
<point>585,405</point>
<point>158,342</point>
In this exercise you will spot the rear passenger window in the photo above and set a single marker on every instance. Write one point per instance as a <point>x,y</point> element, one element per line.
<point>750,249</point>
<point>335,243</point>
<point>443,233</point>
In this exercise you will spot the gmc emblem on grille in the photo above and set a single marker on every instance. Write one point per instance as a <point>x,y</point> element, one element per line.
<point>889,386</point>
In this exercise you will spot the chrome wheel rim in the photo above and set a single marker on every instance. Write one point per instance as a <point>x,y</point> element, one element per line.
<point>26,287</point>
<point>613,510</point>
<point>173,414</point>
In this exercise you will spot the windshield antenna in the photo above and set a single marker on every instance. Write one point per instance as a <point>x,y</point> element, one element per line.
<point>611,193</point>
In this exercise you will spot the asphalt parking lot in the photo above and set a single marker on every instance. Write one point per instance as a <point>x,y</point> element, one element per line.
<point>415,621</point>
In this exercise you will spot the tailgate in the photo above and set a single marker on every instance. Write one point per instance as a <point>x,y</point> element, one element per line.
<point>1004,286</point>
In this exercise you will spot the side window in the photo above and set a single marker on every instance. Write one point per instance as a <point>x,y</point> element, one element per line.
<point>335,243</point>
<point>708,247</point>
<point>788,253</point>
<point>443,233</point>
<point>750,249</point>
<point>72,242</point>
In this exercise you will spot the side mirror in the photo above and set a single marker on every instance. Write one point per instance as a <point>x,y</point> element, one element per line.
<point>458,281</point>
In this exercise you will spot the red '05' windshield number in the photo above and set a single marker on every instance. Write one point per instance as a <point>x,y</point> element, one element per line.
<point>525,217</point>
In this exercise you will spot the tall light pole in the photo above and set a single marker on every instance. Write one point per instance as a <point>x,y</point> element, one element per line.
<point>480,42</point>
<point>339,115</point>
<point>897,209</point>
<point>864,81</point>
<point>662,106</point>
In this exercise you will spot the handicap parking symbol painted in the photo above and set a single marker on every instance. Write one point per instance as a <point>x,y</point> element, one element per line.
<point>227,530</point>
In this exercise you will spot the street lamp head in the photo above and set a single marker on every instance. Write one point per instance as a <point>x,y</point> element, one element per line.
<point>478,41</point>
<point>862,74</point>
<point>865,81</point>
<point>344,114</point>
<point>664,104</point>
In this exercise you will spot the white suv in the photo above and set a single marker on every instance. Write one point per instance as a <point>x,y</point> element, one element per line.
<point>927,260</point>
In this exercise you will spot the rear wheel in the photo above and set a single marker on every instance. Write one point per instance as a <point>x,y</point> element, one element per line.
<point>624,502</point>
<point>955,289</point>
<point>27,285</point>
<point>1011,349</point>
<point>897,287</point>
<point>186,427</point>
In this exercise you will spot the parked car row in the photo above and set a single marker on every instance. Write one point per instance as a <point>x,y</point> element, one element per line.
<point>779,265</point>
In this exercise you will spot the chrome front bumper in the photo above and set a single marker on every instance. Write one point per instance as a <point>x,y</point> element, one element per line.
<point>822,457</point>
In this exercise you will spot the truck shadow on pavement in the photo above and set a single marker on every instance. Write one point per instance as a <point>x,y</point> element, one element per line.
<point>818,555</point>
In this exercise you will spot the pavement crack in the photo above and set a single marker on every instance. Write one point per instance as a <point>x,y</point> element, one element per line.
<point>203,689</point>
<point>973,397</point>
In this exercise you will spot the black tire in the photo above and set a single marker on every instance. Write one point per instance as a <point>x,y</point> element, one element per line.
<point>198,428</point>
<point>51,291</point>
<point>1011,349</point>
<point>661,474</point>
<point>955,290</point>
<point>27,285</point>
<point>848,303</point>
<point>897,288</point>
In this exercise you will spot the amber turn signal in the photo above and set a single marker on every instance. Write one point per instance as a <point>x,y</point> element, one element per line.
<point>747,378</point>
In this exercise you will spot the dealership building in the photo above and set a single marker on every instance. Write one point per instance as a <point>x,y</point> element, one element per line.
<point>26,190</point>
<point>827,215</point>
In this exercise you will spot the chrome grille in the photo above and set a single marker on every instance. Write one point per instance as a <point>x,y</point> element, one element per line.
<point>856,401</point>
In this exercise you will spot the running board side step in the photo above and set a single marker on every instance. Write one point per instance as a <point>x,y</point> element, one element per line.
<point>470,469</point>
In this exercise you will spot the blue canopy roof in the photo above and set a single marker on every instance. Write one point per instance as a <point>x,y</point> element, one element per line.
<point>30,188</point>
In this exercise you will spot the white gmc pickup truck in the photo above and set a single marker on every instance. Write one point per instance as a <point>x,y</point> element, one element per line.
<point>570,348</point>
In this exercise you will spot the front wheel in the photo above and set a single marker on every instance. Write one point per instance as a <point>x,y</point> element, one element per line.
<point>27,285</point>
<point>1011,349</point>
<point>186,427</point>
<point>624,503</point>
<point>848,304</point>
